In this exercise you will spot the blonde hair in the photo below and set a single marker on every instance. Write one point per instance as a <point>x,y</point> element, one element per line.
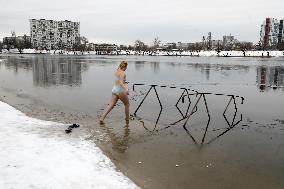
<point>123,64</point>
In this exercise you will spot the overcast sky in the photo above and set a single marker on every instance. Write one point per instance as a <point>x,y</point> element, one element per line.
<point>124,21</point>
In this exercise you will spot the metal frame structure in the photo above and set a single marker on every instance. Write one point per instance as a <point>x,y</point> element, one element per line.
<point>186,93</point>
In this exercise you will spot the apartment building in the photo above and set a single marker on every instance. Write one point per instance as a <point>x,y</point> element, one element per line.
<point>51,34</point>
<point>281,31</point>
<point>269,32</point>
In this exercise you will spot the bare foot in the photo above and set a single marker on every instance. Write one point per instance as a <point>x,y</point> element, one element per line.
<point>102,122</point>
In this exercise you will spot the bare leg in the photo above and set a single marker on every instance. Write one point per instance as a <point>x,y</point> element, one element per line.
<point>109,108</point>
<point>124,98</point>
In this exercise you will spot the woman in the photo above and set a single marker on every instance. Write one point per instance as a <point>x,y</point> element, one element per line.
<point>119,91</point>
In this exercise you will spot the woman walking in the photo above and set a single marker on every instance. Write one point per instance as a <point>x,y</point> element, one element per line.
<point>119,91</point>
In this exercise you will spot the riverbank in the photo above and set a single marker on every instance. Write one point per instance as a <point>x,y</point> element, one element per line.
<point>37,154</point>
<point>153,53</point>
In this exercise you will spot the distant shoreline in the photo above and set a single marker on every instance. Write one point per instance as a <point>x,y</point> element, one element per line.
<point>152,53</point>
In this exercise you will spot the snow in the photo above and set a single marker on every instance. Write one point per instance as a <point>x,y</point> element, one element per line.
<point>156,53</point>
<point>33,157</point>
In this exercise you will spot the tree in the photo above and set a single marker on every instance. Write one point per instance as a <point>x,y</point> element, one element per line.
<point>76,46</point>
<point>156,43</point>
<point>139,46</point>
<point>172,46</point>
<point>243,46</point>
<point>130,48</point>
<point>27,42</point>
<point>198,47</point>
<point>258,46</point>
<point>280,46</point>
<point>9,42</point>
<point>122,47</point>
<point>20,45</point>
<point>1,46</point>
<point>83,43</point>
<point>195,47</point>
<point>219,48</point>
<point>228,47</point>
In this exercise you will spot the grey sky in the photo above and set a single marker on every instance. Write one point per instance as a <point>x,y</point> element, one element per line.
<point>124,21</point>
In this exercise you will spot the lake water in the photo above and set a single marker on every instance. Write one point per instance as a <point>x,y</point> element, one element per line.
<point>84,83</point>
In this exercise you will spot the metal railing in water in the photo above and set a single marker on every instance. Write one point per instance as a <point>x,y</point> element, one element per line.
<point>190,110</point>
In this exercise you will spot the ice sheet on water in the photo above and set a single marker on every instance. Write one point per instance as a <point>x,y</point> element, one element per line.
<point>28,160</point>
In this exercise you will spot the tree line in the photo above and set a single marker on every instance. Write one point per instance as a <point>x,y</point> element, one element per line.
<point>82,44</point>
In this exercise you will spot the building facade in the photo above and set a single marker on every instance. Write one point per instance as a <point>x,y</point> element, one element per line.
<point>182,46</point>
<point>50,34</point>
<point>269,33</point>
<point>104,47</point>
<point>281,32</point>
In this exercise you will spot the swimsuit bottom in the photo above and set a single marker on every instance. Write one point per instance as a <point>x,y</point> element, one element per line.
<point>117,89</point>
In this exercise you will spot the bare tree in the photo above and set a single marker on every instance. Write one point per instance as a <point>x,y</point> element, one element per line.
<point>20,45</point>
<point>156,42</point>
<point>27,42</point>
<point>1,45</point>
<point>280,46</point>
<point>130,47</point>
<point>83,43</point>
<point>219,48</point>
<point>139,45</point>
<point>244,46</point>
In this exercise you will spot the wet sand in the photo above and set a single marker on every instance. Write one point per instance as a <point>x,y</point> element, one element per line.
<point>169,158</point>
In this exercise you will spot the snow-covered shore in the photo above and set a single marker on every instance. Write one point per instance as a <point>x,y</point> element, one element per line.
<point>31,158</point>
<point>155,53</point>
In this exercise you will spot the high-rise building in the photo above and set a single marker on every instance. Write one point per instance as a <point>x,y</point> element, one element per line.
<point>281,32</point>
<point>269,32</point>
<point>50,34</point>
<point>209,41</point>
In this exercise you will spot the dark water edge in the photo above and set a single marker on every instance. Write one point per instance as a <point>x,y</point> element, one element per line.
<point>250,155</point>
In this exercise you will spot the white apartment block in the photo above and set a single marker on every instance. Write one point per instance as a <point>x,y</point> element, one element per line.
<point>50,34</point>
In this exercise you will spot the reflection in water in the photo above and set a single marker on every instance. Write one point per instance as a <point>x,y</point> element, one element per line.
<point>48,73</point>
<point>15,63</point>
<point>50,70</point>
<point>206,68</point>
<point>141,64</point>
<point>119,143</point>
<point>155,66</point>
<point>270,77</point>
<point>186,94</point>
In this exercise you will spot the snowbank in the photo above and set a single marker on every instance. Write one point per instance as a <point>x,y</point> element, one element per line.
<point>31,158</point>
<point>154,53</point>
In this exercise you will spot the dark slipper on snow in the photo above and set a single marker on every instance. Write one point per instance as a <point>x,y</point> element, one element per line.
<point>68,130</point>
<point>75,125</point>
